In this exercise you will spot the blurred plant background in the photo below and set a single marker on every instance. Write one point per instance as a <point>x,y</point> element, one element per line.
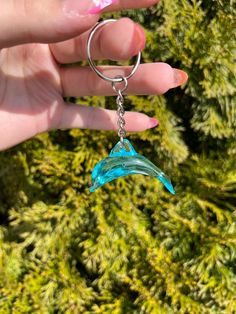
<point>131,247</point>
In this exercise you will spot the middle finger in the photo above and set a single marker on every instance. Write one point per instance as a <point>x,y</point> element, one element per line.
<point>150,79</point>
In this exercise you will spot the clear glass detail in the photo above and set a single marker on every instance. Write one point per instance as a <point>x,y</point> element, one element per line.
<point>123,160</point>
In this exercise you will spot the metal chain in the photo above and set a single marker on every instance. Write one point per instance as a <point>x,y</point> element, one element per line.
<point>121,120</point>
<point>120,108</point>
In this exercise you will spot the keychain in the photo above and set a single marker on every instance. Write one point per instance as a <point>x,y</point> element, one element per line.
<point>123,159</point>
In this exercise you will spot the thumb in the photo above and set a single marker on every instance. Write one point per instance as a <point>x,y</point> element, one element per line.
<point>46,21</point>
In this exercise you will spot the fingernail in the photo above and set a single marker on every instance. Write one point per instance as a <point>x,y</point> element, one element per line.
<point>83,7</point>
<point>153,123</point>
<point>139,39</point>
<point>99,5</point>
<point>180,77</point>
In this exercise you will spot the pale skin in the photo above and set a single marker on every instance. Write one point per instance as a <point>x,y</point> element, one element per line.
<point>36,37</point>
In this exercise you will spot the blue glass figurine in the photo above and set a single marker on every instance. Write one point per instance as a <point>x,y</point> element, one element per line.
<point>123,159</point>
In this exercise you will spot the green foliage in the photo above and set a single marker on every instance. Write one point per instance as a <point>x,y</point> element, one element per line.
<point>131,247</point>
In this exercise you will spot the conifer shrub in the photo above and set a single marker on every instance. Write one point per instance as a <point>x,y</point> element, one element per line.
<point>131,247</point>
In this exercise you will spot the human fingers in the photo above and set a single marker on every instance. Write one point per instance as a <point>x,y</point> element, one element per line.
<point>46,21</point>
<point>55,20</point>
<point>95,118</point>
<point>130,4</point>
<point>105,44</point>
<point>150,79</point>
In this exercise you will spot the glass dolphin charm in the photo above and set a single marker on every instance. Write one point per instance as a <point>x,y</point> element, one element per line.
<point>122,161</point>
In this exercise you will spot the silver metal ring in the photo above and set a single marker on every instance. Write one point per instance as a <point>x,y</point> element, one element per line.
<point>94,67</point>
<point>124,80</point>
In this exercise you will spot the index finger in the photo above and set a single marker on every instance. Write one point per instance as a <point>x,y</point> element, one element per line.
<point>130,4</point>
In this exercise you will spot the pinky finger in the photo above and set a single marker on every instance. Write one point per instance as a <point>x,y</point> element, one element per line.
<point>94,118</point>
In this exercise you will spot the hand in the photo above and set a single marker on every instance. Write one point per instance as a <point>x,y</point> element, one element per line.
<point>37,36</point>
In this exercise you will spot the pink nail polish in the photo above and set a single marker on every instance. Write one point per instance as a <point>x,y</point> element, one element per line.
<point>139,39</point>
<point>99,5</point>
<point>180,77</point>
<point>153,122</point>
<point>81,8</point>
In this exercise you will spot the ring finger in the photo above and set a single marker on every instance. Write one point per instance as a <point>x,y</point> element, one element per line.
<point>105,44</point>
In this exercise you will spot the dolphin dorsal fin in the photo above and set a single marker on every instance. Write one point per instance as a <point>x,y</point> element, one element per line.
<point>120,150</point>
